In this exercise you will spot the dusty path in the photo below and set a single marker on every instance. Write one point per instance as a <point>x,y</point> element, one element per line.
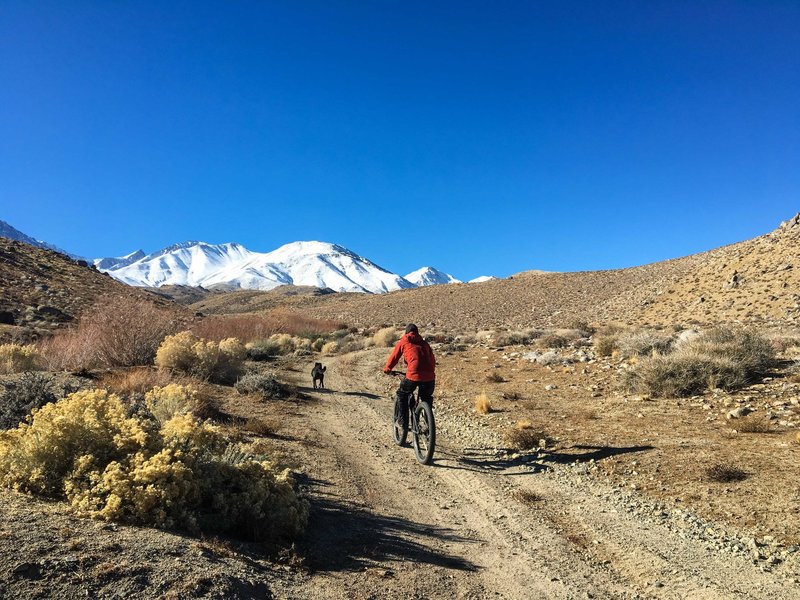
<point>480,523</point>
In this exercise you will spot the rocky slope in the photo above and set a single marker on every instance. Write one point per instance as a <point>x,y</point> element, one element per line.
<point>42,289</point>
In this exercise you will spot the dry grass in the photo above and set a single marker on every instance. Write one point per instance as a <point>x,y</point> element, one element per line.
<point>552,341</point>
<point>725,474</point>
<point>754,425</point>
<point>605,345</point>
<point>483,405</point>
<point>137,380</point>
<point>386,337</point>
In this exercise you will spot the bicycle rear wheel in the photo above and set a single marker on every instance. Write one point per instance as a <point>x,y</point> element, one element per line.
<point>424,433</point>
<point>400,433</point>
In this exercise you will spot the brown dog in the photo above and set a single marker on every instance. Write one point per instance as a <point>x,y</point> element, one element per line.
<point>318,374</point>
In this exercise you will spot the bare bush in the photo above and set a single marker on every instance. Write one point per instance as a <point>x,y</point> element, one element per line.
<point>137,380</point>
<point>754,425</point>
<point>117,331</point>
<point>250,328</point>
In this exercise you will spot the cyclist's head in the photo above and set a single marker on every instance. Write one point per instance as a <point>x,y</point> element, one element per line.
<point>411,327</point>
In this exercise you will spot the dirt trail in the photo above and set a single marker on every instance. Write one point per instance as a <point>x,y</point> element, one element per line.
<point>480,523</point>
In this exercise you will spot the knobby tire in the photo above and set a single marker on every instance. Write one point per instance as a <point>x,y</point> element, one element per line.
<point>400,433</point>
<point>424,433</point>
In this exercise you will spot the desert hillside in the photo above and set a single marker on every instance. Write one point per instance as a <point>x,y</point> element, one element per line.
<point>41,289</point>
<point>749,282</point>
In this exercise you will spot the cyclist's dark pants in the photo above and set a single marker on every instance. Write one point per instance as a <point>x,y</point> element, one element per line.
<point>407,388</point>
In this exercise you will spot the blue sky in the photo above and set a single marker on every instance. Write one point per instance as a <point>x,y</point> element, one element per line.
<point>478,137</point>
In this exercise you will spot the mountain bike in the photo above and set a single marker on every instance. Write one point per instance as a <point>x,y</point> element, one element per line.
<point>422,425</point>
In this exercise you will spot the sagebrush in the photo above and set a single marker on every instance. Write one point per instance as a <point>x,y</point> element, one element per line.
<point>112,466</point>
<point>723,358</point>
<point>265,384</point>
<point>15,358</point>
<point>220,362</point>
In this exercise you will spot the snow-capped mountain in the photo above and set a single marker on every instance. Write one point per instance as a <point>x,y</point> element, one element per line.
<point>104,264</point>
<point>232,265</point>
<point>430,276</point>
<point>482,278</point>
<point>7,231</point>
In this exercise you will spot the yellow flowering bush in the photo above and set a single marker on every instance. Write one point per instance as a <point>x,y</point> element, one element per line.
<point>16,359</point>
<point>37,457</point>
<point>176,475</point>
<point>210,360</point>
<point>170,400</point>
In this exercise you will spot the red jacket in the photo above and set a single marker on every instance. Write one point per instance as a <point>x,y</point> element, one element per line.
<point>420,362</point>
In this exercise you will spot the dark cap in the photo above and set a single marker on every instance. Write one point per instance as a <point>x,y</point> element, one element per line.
<point>411,327</point>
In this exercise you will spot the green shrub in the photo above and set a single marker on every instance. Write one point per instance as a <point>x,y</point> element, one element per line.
<point>177,475</point>
<point>16,359</point>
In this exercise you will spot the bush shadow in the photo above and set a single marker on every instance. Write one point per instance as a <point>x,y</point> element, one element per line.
<point>348,537</point>
<point>509,459</point>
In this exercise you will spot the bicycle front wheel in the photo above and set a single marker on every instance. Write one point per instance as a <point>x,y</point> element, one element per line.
<point>399,431</point>
<point>424,433</point>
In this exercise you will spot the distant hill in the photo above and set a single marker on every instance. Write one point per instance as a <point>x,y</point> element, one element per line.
<point>751,282</point>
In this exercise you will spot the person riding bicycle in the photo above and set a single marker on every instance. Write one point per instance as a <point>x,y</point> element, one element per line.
<point>420,371</point>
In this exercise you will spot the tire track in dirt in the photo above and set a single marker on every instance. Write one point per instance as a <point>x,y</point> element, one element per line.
<point>384,526</point>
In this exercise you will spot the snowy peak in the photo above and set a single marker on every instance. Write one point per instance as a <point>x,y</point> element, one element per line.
<point>430,276</point>
<point>105,264</point>
<point>482,278</point>
<point>232,265</point>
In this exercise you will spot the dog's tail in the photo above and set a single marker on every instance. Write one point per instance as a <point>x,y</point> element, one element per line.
<point>323,369</point>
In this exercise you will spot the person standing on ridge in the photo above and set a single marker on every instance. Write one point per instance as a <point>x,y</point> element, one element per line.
<point>420,368</point>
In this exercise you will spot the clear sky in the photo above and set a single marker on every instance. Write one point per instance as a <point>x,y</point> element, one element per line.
<point>478,137</point>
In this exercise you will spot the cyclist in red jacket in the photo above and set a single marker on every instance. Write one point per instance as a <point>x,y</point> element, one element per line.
<point>420,368</point>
